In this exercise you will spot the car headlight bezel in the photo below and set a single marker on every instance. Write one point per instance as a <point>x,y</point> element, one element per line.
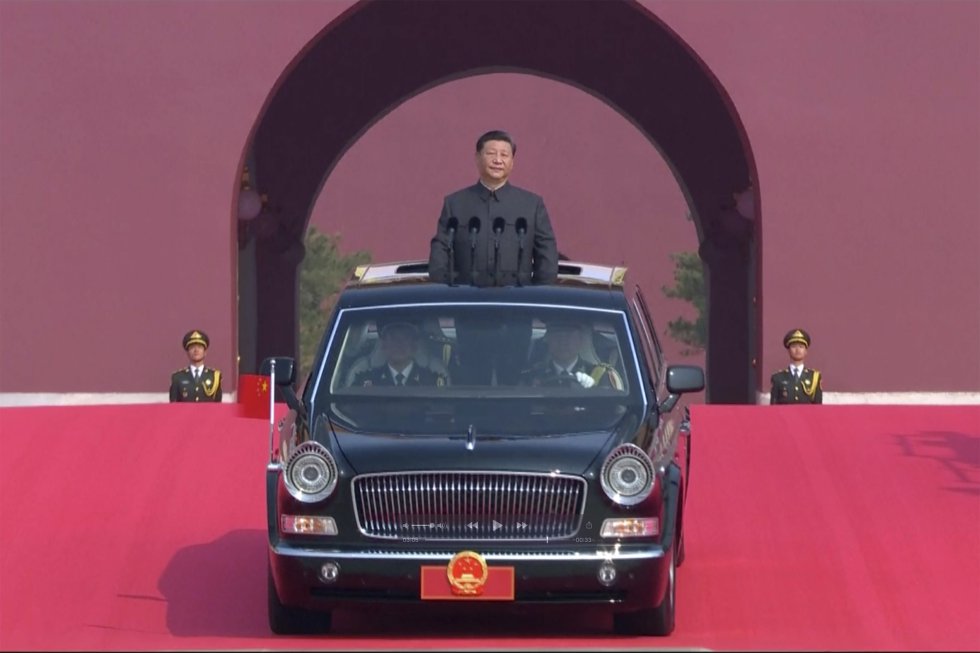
<point>310,474</point>
<point>627,476</point>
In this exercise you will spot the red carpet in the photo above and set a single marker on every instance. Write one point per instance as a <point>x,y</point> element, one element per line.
<point>831,527</point>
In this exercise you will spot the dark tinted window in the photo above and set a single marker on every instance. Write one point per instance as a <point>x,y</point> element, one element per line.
<point>513,369</point>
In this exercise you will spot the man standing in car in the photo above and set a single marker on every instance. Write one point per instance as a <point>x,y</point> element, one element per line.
<point>493,233</point>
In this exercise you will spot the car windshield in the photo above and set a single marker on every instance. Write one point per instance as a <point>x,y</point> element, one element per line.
<point>511,369</point>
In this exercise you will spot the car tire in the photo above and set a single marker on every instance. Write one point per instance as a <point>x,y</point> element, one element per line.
<point>284,620</point>
<point>657,621</point>
<point>680,551</point>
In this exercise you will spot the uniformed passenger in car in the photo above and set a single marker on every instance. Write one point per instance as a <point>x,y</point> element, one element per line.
<point>566,362</point>
<point>399,343</point>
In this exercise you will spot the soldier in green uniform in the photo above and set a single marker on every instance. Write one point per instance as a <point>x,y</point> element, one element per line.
<point>196,382</point>
<point>399,344</point>
<point>796,384</point>
<point>564,366</point>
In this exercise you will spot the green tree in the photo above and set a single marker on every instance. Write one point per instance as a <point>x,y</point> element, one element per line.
<point>689,286</point>
<point>322,274</point>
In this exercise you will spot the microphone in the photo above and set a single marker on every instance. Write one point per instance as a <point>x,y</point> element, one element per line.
<point>474,230</point>
<point>498,228</point>
<point>451,225</point>
<point>521,227</point>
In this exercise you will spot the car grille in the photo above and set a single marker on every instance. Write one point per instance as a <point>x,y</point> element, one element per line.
<point>468,505</point>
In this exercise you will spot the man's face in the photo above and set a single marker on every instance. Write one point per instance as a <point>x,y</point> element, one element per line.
<point>494,162</point>
<point>398,346</point>
<point>564,343</point>
<point>195,354</point>
<point>797,352</point>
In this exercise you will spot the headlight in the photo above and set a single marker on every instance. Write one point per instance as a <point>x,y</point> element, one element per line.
<point>311,473</point>
<point>627,475</point>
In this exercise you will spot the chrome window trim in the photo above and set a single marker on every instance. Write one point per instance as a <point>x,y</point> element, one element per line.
<point>622,315</point>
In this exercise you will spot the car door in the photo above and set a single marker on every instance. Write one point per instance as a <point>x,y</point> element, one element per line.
<point>673,422</point>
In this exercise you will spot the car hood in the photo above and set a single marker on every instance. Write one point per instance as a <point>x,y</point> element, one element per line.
<point>566,453</point>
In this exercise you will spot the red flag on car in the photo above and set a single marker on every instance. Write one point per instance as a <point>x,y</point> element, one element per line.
<point>253,395</point>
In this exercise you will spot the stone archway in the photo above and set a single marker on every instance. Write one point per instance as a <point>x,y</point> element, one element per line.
<point>633,62</point>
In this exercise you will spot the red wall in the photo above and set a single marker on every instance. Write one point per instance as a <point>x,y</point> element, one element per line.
<point>122,125</point>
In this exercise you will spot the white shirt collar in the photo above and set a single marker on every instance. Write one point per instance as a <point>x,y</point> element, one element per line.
<point>405,372</point>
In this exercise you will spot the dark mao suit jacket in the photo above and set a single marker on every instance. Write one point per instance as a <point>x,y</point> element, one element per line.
<point>497,260</point>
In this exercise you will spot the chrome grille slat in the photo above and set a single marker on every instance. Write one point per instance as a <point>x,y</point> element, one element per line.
<point>446,505</point>
<point>388,497</point>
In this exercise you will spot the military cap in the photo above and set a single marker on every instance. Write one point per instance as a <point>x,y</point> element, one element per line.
<point>196,337</point>
<point>565,322</point>
<point>397,326</point>
<point>797,335</point>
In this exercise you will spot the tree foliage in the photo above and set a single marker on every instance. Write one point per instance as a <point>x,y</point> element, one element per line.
<point>689,286</point>
<point>322,275</point>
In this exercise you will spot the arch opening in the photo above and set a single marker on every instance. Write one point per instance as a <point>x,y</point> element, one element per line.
<point>635,64</point>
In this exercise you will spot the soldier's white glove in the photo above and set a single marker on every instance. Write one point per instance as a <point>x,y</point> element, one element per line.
<point>584,379</point>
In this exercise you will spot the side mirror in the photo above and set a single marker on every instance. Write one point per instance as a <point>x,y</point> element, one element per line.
<point>681,379</point>
<point>684,378</point>
<point>285,369</point>
<point>285,378</point>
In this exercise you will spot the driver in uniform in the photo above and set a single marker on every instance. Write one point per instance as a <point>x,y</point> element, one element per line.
<point>563,366</point>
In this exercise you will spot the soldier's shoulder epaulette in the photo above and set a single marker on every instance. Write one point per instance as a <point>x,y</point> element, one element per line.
<point>176,372</point>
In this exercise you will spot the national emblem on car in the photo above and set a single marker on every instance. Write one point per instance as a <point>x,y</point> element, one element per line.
<point>467,573</point>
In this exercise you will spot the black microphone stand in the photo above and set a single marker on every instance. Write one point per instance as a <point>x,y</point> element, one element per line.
<point>453,222</point>
<point>452,268</point>
<point>498,228</point>
<point>474,230</point>
<point>521,232</point>
<point>496,261</point>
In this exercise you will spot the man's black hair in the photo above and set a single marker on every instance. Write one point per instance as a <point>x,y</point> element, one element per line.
<point>496,135</point>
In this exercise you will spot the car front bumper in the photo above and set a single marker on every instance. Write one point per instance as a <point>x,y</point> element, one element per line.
<point>569,575</point>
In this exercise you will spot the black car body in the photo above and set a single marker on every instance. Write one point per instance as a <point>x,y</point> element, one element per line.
<point>492,481</point>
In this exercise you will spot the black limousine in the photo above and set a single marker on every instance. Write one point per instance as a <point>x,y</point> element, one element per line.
<point>525,445</point>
